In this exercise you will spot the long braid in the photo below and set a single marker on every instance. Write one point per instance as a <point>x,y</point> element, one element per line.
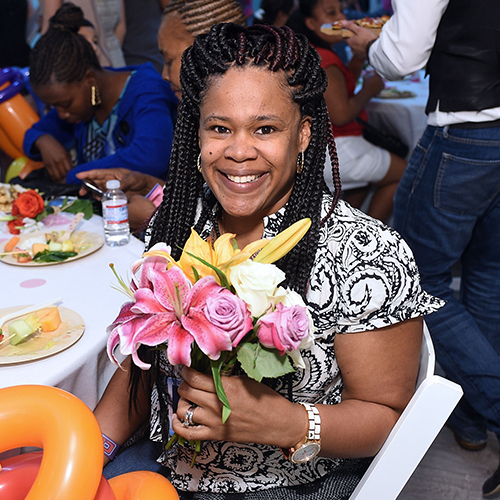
<point>211,55</point>
<point>62,53</point>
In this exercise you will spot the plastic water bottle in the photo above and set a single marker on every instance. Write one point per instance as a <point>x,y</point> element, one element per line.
<point>115,215</point>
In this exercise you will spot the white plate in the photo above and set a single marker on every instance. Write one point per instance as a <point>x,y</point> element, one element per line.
<point>91,242</point>
<point>42,344</point>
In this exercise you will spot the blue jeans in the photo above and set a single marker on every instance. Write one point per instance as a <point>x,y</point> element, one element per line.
<point>140,456</point>
<point>447,207</point>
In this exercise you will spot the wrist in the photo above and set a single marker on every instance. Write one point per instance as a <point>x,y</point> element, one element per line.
<point>110,447</point>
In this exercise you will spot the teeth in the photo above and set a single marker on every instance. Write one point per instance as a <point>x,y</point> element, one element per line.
<point>242,179</point>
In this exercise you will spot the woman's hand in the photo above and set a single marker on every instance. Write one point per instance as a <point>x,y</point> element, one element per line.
<point>256,412</point>
<point>54,156</point>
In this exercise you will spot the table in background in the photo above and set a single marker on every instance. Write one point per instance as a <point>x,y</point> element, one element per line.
<point>404,117</point>
<point>85,287</point>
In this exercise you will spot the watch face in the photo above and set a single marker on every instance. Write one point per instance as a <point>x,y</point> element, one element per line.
<point>305,453</point>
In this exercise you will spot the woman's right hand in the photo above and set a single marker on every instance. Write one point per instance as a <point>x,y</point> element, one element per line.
<point>373,83</point>
<point>54,156</point>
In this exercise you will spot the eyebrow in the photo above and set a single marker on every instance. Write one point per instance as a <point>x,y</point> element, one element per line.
<point>259,118</point>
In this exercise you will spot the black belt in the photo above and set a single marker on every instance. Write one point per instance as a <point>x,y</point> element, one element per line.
<point>493,123</point>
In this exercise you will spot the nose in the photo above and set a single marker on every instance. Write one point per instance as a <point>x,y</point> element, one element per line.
<point>241,147</point>
<point>165,74</point>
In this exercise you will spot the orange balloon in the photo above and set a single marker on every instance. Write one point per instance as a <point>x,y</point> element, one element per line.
<point>16,117</point>
<point>142,485</point>
<point>7,146</point>
<point>18,474</point>
<point>67,431</point>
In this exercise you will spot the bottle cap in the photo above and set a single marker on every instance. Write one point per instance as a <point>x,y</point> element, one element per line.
<point>113,184</point>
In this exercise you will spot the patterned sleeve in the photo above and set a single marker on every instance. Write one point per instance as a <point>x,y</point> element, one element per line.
<point>377,282</point>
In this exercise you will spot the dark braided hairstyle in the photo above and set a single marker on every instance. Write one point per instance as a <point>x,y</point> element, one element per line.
<point>62,53</point>
<point>198,16</point>
<point>278,49</point>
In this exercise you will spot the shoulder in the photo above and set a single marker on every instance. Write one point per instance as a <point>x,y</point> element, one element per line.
<point>369,271</point>
<point>147,80</point>
<point>329,58</point>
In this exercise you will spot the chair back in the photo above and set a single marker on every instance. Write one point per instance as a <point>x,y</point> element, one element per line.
<point>414,432</point>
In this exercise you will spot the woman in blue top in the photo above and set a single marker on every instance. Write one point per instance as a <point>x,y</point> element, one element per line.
<point>112,118</point>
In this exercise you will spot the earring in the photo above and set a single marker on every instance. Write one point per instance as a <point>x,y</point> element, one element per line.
<point>300,162</point>
<point>198,163</point>
<point>95,96</point>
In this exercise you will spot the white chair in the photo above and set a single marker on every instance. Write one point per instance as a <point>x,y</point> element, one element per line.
<point>414,432</point>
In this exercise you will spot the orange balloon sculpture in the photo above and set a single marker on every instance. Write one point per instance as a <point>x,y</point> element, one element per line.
<point>71,464</point>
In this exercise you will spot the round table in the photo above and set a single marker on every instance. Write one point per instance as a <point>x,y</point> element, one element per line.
<point>85,287</point>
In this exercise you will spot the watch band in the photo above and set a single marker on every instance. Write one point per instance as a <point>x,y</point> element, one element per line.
<point>310,446</point>
<point>110,447</point>
<point>314,430</point>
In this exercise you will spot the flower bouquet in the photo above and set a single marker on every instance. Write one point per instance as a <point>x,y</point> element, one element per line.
<point>215,307</point>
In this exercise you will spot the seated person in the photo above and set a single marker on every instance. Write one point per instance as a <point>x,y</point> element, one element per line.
<point>182,21</point>
<point>114,118</point>
<point>361,163</point>
<point>248,159</point>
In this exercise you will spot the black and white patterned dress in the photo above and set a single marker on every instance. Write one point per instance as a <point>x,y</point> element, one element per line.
<point>364,278</point>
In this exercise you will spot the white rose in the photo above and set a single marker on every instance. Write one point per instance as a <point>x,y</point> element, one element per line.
<point>256,284</point>
<point>292,298</point>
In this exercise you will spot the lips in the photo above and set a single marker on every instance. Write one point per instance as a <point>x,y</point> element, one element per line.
<point>243,179</point>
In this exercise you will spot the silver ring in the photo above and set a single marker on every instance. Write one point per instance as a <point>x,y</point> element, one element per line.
<point>188,419</point>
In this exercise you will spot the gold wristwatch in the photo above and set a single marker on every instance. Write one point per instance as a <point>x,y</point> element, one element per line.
<point>311,445</point>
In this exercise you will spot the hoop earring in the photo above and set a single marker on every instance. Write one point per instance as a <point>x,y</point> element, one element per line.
<point>300,162</point>
<point>198,163</point>
<point>95,96</point>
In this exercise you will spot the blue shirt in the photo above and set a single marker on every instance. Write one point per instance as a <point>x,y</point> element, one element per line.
<point>142,136</point>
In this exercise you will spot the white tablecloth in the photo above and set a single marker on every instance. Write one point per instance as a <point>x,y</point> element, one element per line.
<point>405,118</point>
<point>85,286</point>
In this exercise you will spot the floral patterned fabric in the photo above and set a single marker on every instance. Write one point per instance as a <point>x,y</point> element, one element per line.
<point>364,278</point>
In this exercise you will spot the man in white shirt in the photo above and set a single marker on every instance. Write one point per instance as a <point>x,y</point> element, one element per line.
<point>447,206</point>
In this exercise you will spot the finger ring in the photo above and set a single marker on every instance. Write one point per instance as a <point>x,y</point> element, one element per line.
<point>188,419</point>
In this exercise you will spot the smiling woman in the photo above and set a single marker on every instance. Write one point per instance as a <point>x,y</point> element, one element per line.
<point>114,118</point>
<point>248,159</point>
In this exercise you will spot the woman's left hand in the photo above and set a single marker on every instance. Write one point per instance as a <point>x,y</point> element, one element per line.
<point>256,412</point>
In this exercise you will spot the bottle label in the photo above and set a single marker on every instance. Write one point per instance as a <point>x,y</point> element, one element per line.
<point>115,212</point>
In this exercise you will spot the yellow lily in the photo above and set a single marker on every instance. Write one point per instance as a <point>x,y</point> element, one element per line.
<point>224,254</point>
<point>282,243</point>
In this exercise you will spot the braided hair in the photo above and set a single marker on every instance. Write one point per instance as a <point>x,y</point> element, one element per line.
<point>62,53</point>
<point>279,49</point>
<point>198,16</point>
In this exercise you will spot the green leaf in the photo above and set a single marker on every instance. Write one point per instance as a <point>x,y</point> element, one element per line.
<point>196,274</point>
<point>78,205</point>
<point>222,277</point>
<point>259,362</point>
<point>219,388</point>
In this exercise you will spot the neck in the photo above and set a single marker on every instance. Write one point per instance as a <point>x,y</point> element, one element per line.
<point>110,85</point>
<point>247,231</point>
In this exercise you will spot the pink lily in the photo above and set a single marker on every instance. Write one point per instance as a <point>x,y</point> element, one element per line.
<point>167,309</point>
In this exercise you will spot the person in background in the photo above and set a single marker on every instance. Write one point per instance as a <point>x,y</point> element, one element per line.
<point>143,19</point>
<point>181,22</point>
<point>447,206</point>
<point>361,163</point>
<point>87,30</point>
<point>108,18</point>
<point>276,12</point>
<point>113,118</point>
<point>248,159</point>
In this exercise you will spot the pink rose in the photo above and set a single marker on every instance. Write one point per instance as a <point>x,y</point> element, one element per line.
<point>284,328</point>
<point>229,313</point>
